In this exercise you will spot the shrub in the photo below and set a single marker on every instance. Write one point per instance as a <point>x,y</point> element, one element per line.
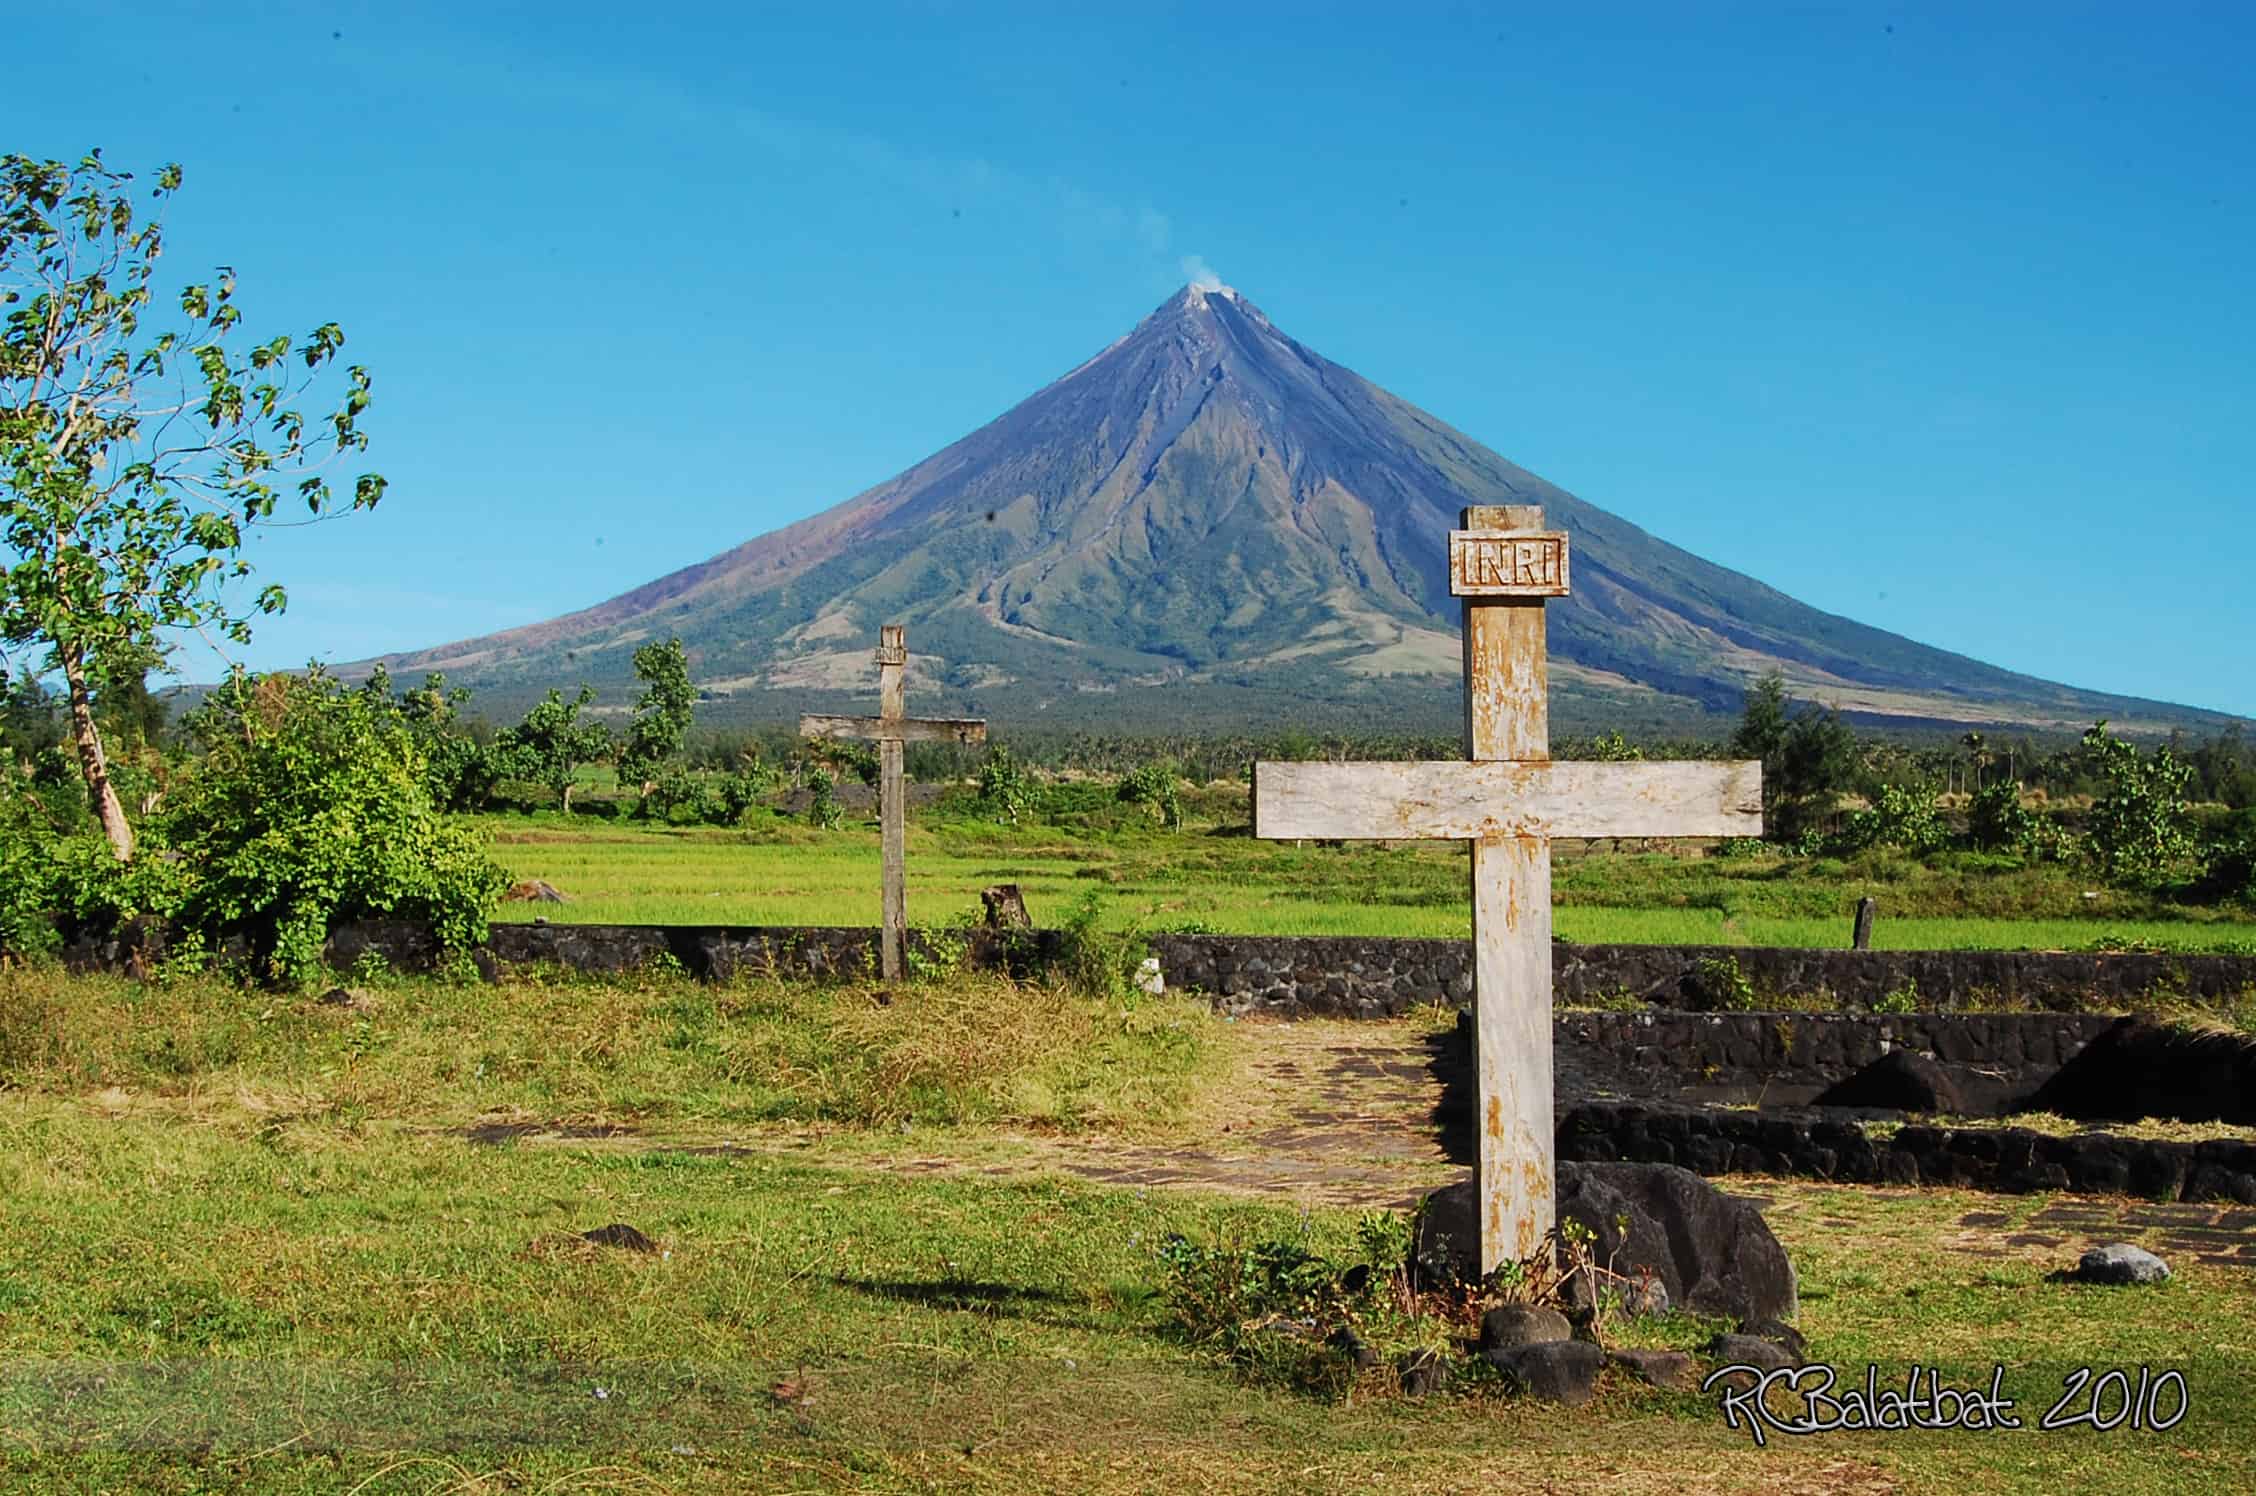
<point>1898,817</point>
<point>2140,829</point>
<point>1155,786</point>
<point>310,807</point>
<point>1003,786</point>
<point>1719,986</point>
<point>1997,821</point>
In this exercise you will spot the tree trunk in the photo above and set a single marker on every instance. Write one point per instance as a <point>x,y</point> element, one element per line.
<point>567,799</point>
<point>92,762</point>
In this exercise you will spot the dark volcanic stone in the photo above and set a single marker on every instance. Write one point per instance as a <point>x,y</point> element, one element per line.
<point>1751,1350</point>
<point>1898,1081</point>
<point>619,1235</point>
<point>1712,1254</point>
<point>2138,1068</point>
<point>1511,1325</point>
<point>1560,1371</point>
<point>1670,1369</point>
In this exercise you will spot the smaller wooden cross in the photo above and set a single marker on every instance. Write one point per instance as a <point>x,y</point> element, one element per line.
<point>1508,799</point>
<point>891,727</point>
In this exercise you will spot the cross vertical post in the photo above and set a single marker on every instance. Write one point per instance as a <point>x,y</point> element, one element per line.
<point>1508,717</point>
<point>893,832</point>
<point>892,727</point>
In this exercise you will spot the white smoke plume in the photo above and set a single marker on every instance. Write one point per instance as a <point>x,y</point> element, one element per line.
<point>1201,274</point>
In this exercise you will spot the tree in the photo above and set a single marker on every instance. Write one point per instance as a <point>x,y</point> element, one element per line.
<point>552,742</point>
<point>1762,721</point>
<point>2139,829</point>
<point>662,717</point>
<point>134,461</point>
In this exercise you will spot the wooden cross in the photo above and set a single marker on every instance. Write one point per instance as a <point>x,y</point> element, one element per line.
<point>891,727</point>
<point>1509,800</point>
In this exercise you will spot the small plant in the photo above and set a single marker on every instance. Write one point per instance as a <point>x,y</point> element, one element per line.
<point>823,809</point>
<point>1718,985</point>
<point>1904,999</point>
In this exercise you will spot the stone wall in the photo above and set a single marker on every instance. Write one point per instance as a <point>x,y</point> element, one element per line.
<point>2011,1160</point>
<point>1361,977</point>
<point>1289,976</point>
<point>709,952</point>
<point>1659,1049</point>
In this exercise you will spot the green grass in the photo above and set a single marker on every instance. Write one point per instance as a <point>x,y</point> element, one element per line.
<point>787,874</point>
<point>252,1245</point>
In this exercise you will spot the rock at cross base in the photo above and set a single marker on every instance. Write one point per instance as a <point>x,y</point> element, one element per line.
<point>2119,1262</point>
<point>1898,1081</point>
<point>1713,1254</point>
<point>1510,1326</point>
<point>1560,1371</point>
<point>1670,1369</point>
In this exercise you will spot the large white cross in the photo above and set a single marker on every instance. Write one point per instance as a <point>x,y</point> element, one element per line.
<point>1509,800</point>
<point>891,727</point>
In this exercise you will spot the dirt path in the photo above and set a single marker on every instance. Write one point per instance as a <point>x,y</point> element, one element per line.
<point>1354,1114</point>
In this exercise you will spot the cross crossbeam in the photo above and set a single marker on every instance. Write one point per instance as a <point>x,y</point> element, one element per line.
<point>1508,800</point>
<point>890,728</point>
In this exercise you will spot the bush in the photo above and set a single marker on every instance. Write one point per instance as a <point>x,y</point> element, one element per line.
<point>1898,817</point>
<point>1719,986</point>
<point>311,806</point>
<point>1154,786</point>
<point>1997,821</point>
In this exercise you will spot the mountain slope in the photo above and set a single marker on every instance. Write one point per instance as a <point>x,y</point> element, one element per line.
<point>1210,513</point>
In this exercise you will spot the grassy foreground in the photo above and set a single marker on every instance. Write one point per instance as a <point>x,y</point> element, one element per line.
<point>1207,878</point>
<point>256,1242</point>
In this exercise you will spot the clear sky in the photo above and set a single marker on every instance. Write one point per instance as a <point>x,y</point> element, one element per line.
<point>1942,317</point>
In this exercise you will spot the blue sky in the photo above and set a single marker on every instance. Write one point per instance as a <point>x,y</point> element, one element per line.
<point>1940,317</point>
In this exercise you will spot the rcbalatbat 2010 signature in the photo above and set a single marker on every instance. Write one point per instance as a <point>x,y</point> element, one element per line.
<point>2143,1399</point>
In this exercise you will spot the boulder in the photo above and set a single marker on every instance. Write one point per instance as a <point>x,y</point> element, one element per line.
<point>1898,1081</point>
<point>1751,1350</point>
<point>1510,1326</point>
<point>2119,1262</point>
<point>1712,1254</point>
<point>1560,1371</point>
<point>2139,1068</point>
<point>1670,1369</point>
<point>619,1234</point>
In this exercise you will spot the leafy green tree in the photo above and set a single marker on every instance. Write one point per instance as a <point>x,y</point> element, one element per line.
<point>1809,759</point>
<point>458,772</point>
<point>2140,829</point>
<point>663,715</point>
<point>1997,821</point>
<point>551,744</point>
<point>1762,720</point>
<point>1003,786</point>
<point>132,460</point>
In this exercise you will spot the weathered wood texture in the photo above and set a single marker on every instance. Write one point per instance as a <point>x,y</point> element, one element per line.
<point>1509,800</point>
<point>1485,563</point>
<point>1860,934</point>
<point>892,727</point>
<point>1475,800</point>
<point>1508,724</point>
<point>894,837</point>
<point>907,729</point>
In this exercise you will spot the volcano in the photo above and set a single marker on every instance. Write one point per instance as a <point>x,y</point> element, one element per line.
<point>1210,525</point>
